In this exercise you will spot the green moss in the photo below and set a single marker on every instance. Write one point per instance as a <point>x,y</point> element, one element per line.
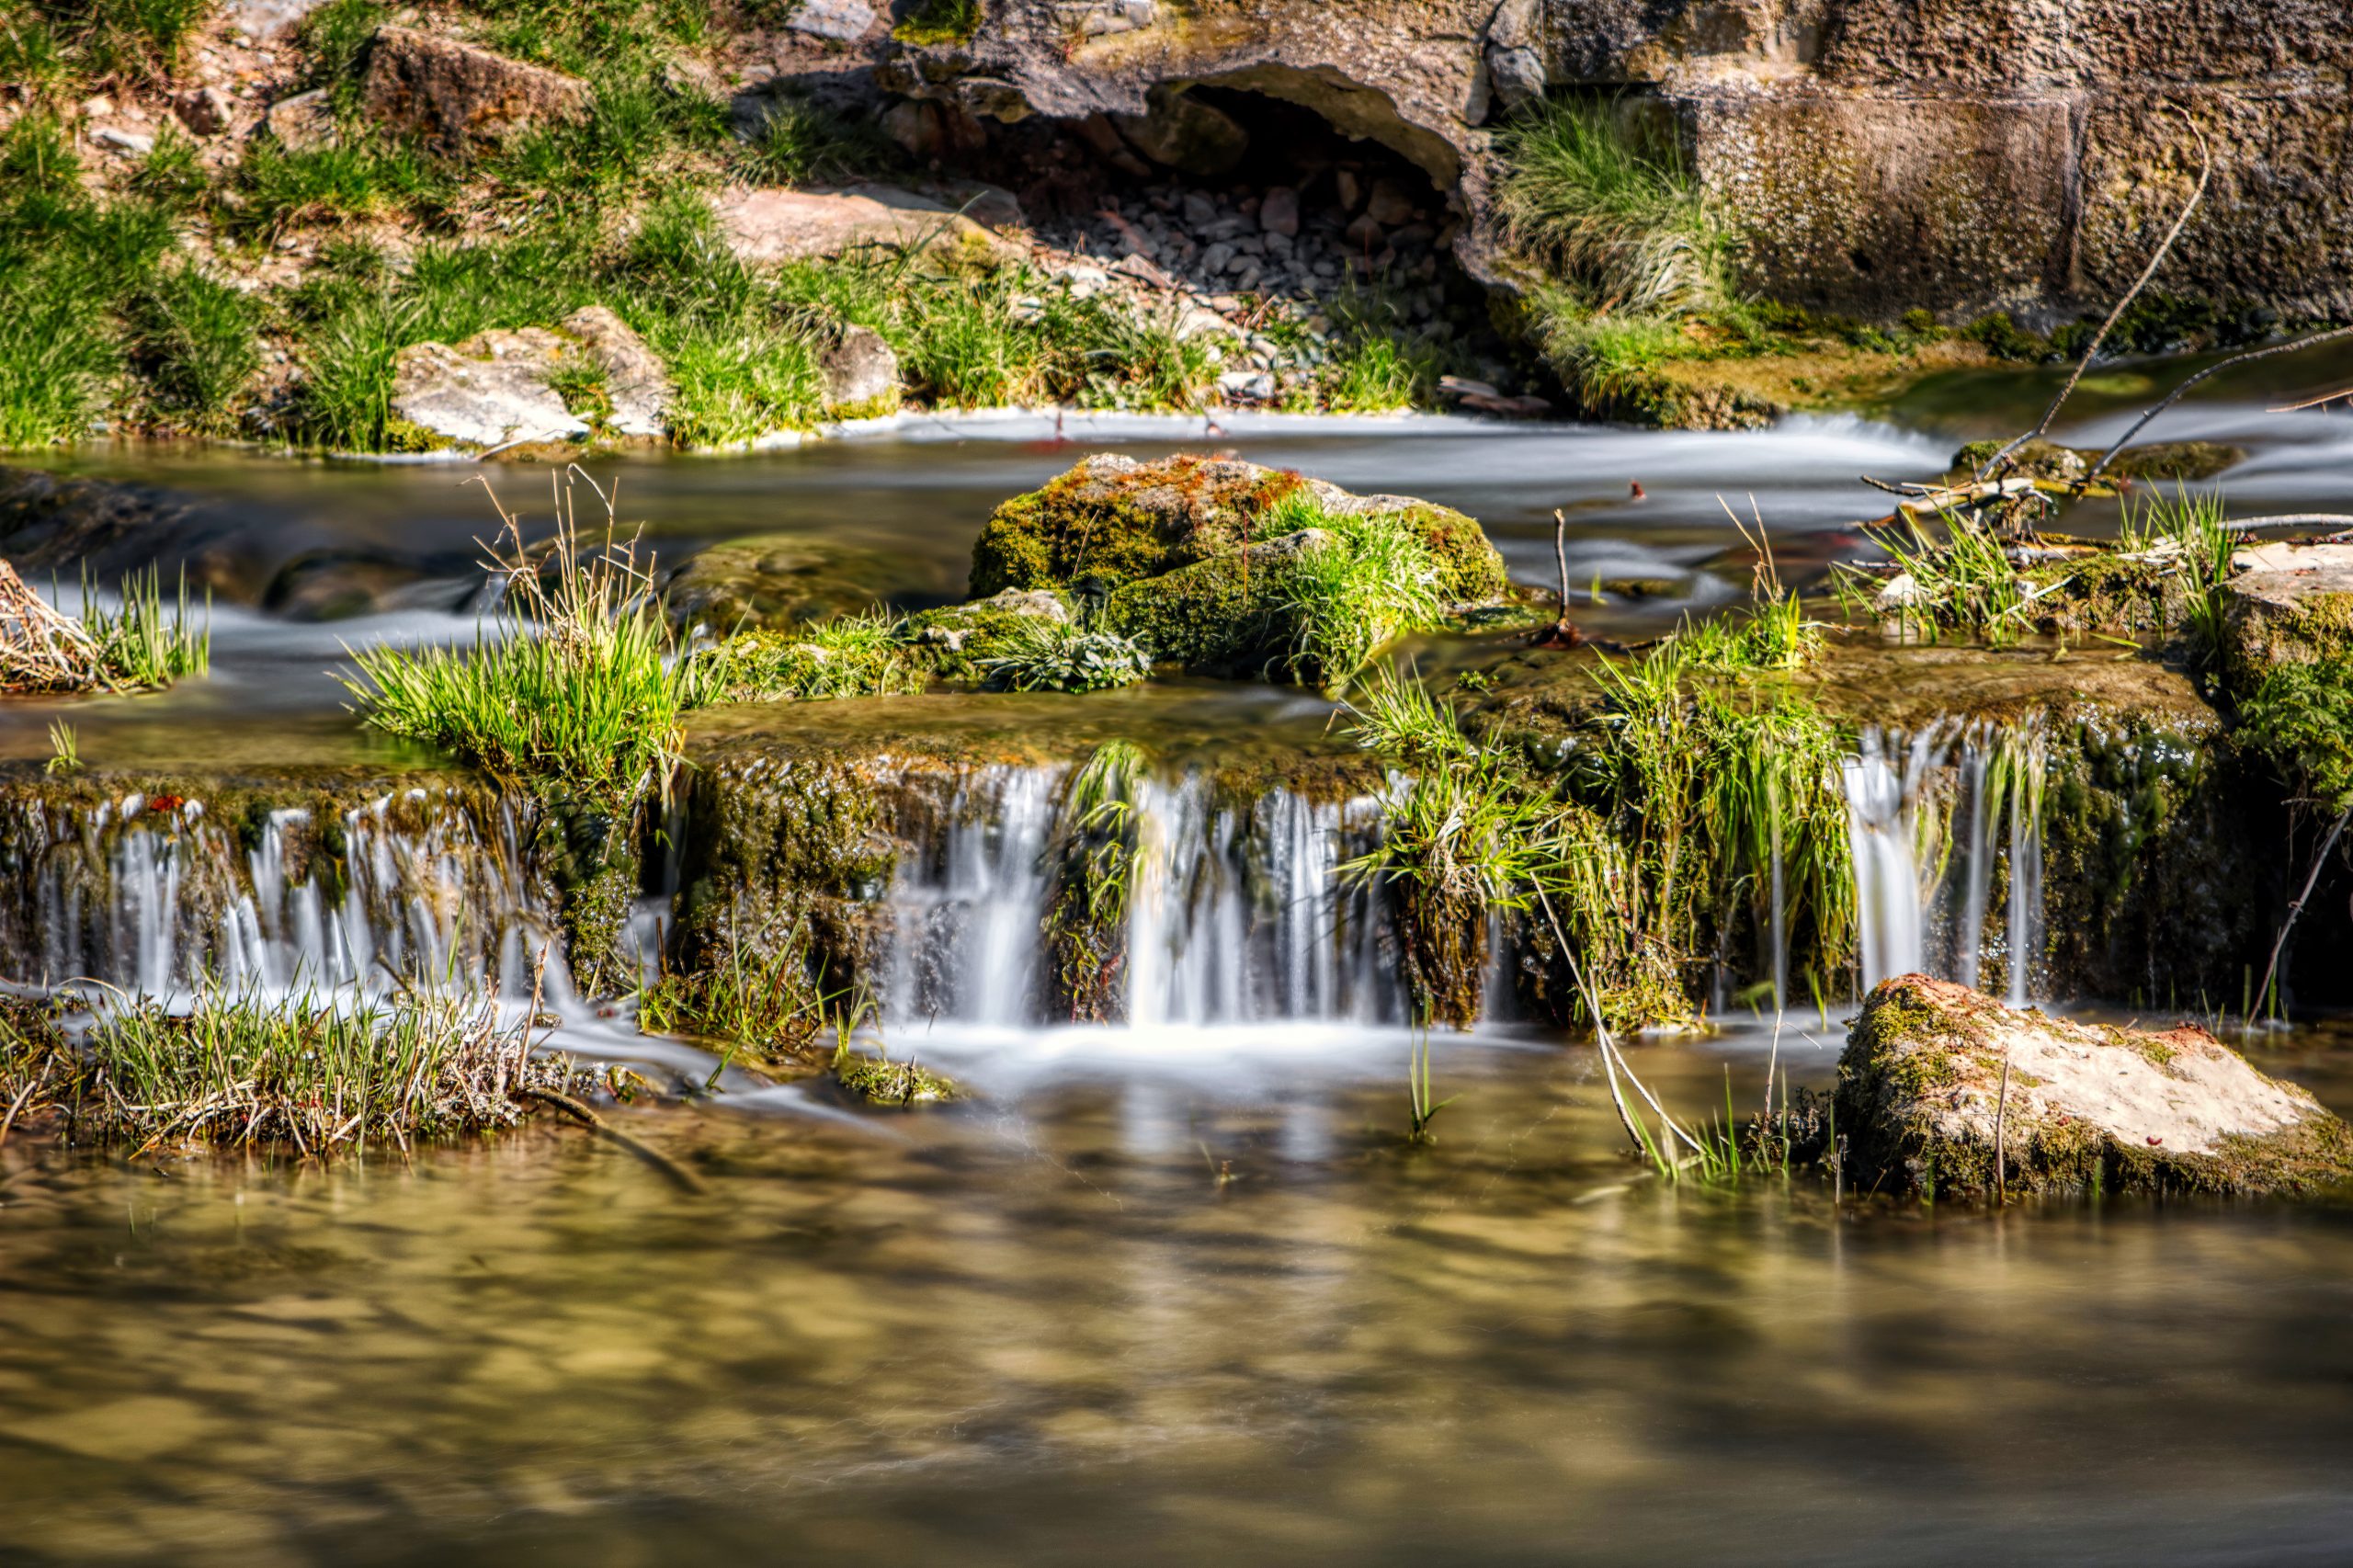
<point>957,640</point>
<point>1110,520</point>
<point>1222,617</point>
<point>589,856</point>
<point>881,1081</point>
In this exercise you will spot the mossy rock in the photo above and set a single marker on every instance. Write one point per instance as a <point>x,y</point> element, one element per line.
<point>2288,605</point>
<point>881,1081</point>
<point>771,581</point>
<point>1944,1092</point>
<point>957,640</point>
<point>1112,521</point>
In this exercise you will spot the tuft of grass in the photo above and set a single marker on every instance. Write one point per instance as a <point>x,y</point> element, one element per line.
<point>799,143</point>
<point>351,181</point>
<point>1376,365</point>
<point>314,1073</point>
<point>1364,582</point>
<point>142,646</point>
<point>761,999</point>
<point>2189,532</point>
<point>881,1081</point>
<point>1094,858</point>
<point>1965,583</point>
<point>196,342</point>
<point>574,686</point>
<point>850,655</point>
<point>64,749</point>
<point>1620,216</point>
<point>1037,653</point>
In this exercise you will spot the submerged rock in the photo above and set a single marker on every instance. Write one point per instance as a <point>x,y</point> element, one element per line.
<point>772,581</point>
<point>1922,1105</point>
<point>462,96</point>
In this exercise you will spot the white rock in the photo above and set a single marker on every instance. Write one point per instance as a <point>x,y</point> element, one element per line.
<point>119,140</point>
<point>844,20</point>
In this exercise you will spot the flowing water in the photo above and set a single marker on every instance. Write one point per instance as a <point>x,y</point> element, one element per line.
<point>1162,1292</point>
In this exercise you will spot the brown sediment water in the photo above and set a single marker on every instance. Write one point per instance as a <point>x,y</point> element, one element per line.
<point>1165,1305</point>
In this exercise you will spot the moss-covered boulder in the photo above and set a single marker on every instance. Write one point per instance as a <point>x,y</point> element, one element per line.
<point>957,640</point>
<point>1922,1105</point>
<point>1230,568</point>
<point>1112,520</point>
<point>2176,461</point>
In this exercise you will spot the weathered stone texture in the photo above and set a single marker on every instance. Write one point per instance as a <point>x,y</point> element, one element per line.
<point>1883,202</point>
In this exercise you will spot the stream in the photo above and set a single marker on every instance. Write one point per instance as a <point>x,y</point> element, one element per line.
<point>1167,1293</point>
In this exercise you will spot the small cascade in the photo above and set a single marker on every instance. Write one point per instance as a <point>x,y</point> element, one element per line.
<point>1879,818</point>
<point>1239,915</point>
<point>1916,805</point>
<point>969,917</point>
<point>417,888</point>
<point>1235,911</point>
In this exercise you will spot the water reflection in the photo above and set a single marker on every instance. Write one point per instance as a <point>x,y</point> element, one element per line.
<point>1162,1310</point>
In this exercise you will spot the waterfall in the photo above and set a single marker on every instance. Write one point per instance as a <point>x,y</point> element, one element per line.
<point>1887,877</point>
<point>415,887</point>
<point>968,918</point>
<point>1899,798</point>
<point>1235,910</point>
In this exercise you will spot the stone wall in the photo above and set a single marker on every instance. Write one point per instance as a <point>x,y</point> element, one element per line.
<point>1880,154</point>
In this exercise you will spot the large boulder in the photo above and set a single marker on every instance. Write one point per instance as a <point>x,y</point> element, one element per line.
<point>592,376</point>
<point>459,95</point>
<point>1922,1105</point>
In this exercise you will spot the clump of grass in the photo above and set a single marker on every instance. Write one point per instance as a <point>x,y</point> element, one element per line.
<point>196,342</point>
<point>1422,1108</point>
<point>1359,582</point>
<point>1375,363</point>
<point>321,1075</point>
<point>1038,653</point>
<point>1964,582</point>
<point>850,655</point>
<point>574,686</point>
<point>350,180</point>
<point>755,997</point>
<point>2186,532</point>
<point>1635,253</point>
<point>1094,858</point>
<point>799,143</point>
<point>141,644</point>
<point>1620,217</point>
<point>64,749</point>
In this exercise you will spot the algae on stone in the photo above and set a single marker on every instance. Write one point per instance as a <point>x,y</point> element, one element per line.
<point>1923,1108</point>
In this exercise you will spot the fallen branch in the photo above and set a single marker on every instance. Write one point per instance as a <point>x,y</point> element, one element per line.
<point>2297,908</point>
<point>2197,193</point>
<point>686,1180</point>
<point>2310,341</point>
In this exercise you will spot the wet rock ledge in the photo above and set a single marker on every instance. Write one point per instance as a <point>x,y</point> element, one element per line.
<point>1927,1106</point>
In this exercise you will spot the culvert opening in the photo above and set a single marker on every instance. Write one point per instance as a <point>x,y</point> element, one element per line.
<point>1271,217</point>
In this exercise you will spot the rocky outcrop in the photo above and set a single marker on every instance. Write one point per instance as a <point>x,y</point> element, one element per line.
<point>1877,155</point>
<point>591,377</point>
<point>459,95</point>
<point>1946,1093</point>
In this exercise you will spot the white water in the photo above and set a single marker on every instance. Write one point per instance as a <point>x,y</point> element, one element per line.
<point>968,925</point>
<point>1888,785</point>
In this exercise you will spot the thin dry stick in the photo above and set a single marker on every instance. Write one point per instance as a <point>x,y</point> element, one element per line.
<point>2197,193</point>
<point>2296,909</point>
<point>1560,554</point>
<point>1608,1047</point>
<point>2312,402</point>
<point>2313,341</point>
<point>32,1088</point>
<point>2001,1113</point>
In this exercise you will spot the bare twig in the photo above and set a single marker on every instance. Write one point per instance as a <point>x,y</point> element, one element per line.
<point>684,1178</point>
<point>2340,394</point>
<point>2197,193</point>
<point>2001,1113</point>
<point>2310,341</point>
<point>2296,909</point>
